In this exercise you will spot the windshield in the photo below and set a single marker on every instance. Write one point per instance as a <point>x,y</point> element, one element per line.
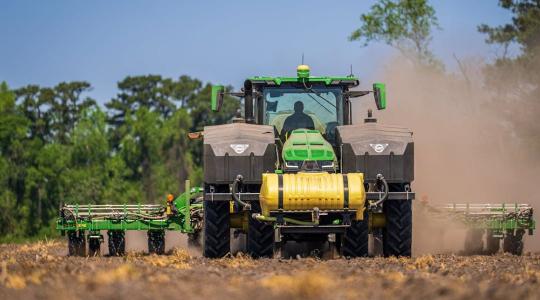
<point>291,108</point>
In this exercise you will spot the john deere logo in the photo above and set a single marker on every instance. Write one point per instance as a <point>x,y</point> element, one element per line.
<point>239,148</point>
<point>378,147</point>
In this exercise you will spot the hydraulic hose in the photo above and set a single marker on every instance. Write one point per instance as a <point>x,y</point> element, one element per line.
<point>289,220</point>
<point>381,180</point>
<point>236,182</point>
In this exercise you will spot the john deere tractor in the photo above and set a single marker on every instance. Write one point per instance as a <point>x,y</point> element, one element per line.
<point>300,166</point>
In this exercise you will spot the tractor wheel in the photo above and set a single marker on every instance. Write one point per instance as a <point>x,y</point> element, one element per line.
<point>260,236</point>
<point>355,240</point>
<point>76,243</point>
<point>117,242</point>
<point>492,243</point>
<point>216,229</point>
<point>94,246</point>
<point>474,245</point>
<point>156,241</point>
<point>397,234</point>
<point>513,242</point>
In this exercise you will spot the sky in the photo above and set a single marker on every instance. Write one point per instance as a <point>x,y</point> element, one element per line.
<point>102,41</point>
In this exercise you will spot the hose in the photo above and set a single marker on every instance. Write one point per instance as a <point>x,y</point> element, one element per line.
<point>119,214</point>
<point>289,220</point>
<point>236,182</point>
<point>381,180</point>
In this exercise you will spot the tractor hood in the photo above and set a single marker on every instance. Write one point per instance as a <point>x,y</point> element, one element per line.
<point>304,148</point>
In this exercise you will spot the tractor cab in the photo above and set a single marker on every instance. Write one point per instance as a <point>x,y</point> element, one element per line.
<point>304,112</point>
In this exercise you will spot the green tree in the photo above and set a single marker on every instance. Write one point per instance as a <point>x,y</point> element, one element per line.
<point>13,130</point>
<point>35,103</point>
<point>516,79</point>
<point>403,24</point>
<point>67,107</point>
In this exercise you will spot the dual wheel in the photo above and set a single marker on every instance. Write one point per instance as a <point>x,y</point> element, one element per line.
<point>396,236</point>
<point>216,232</point>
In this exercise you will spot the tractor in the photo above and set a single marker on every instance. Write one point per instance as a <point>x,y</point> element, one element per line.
<point>295,167</point>
<point>301,166</point>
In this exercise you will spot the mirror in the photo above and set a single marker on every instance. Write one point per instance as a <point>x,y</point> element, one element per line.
<point>356,94</point>
<point>217,97</point>
<point>379,92</point>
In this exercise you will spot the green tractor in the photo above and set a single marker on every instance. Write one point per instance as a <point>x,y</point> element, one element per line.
<point>296,168</point>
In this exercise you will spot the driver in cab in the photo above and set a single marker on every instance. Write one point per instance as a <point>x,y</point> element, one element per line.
<point>297,120</point>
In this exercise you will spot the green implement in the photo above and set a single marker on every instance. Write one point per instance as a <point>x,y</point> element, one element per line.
<point>84,222</point>
<point>489,224</point>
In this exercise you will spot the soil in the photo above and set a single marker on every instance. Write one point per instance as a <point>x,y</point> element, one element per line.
<point>43,271</point>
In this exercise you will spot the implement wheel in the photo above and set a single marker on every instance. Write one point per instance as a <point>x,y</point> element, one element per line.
<point>260,236</point>
<point>156,241</point>
<point>397,234</point>
<point>492,243</point>
<point>94,246</point>
<point>76,243</point>
<point>513,242</point>
<point>355,240</point>
<point>117,242</point>
<point>216,229</point>
<point>474,245</point>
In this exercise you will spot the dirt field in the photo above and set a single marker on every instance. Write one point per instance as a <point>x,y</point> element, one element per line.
<point>43,271</point>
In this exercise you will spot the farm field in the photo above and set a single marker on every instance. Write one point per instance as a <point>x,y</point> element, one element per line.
<point>42,270</point>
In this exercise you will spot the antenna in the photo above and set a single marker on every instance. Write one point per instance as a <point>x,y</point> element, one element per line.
<point>302,57</point>
<point>351,75</point>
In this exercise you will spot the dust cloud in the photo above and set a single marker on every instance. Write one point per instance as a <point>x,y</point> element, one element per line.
<point>466,149</point>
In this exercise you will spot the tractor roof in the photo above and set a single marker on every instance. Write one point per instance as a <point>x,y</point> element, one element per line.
<point>303,76</point>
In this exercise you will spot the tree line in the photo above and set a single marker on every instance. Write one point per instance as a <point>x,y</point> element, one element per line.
<point>57,145</point>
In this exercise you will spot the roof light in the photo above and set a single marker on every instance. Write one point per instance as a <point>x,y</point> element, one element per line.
<point>302,71</point>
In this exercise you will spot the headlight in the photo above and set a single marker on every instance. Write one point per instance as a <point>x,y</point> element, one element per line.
<point>327,165</point>
<point>293,164</point>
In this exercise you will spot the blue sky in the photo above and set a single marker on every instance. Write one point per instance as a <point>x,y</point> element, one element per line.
<point>46,42</point>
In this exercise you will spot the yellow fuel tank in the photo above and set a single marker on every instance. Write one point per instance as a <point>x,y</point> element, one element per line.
<point>305,191</point>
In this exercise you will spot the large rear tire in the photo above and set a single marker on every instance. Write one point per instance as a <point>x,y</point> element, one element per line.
<point>260,236</point>
<point>355,240</point>
<point>216,229</point>
<point>397,234</point>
